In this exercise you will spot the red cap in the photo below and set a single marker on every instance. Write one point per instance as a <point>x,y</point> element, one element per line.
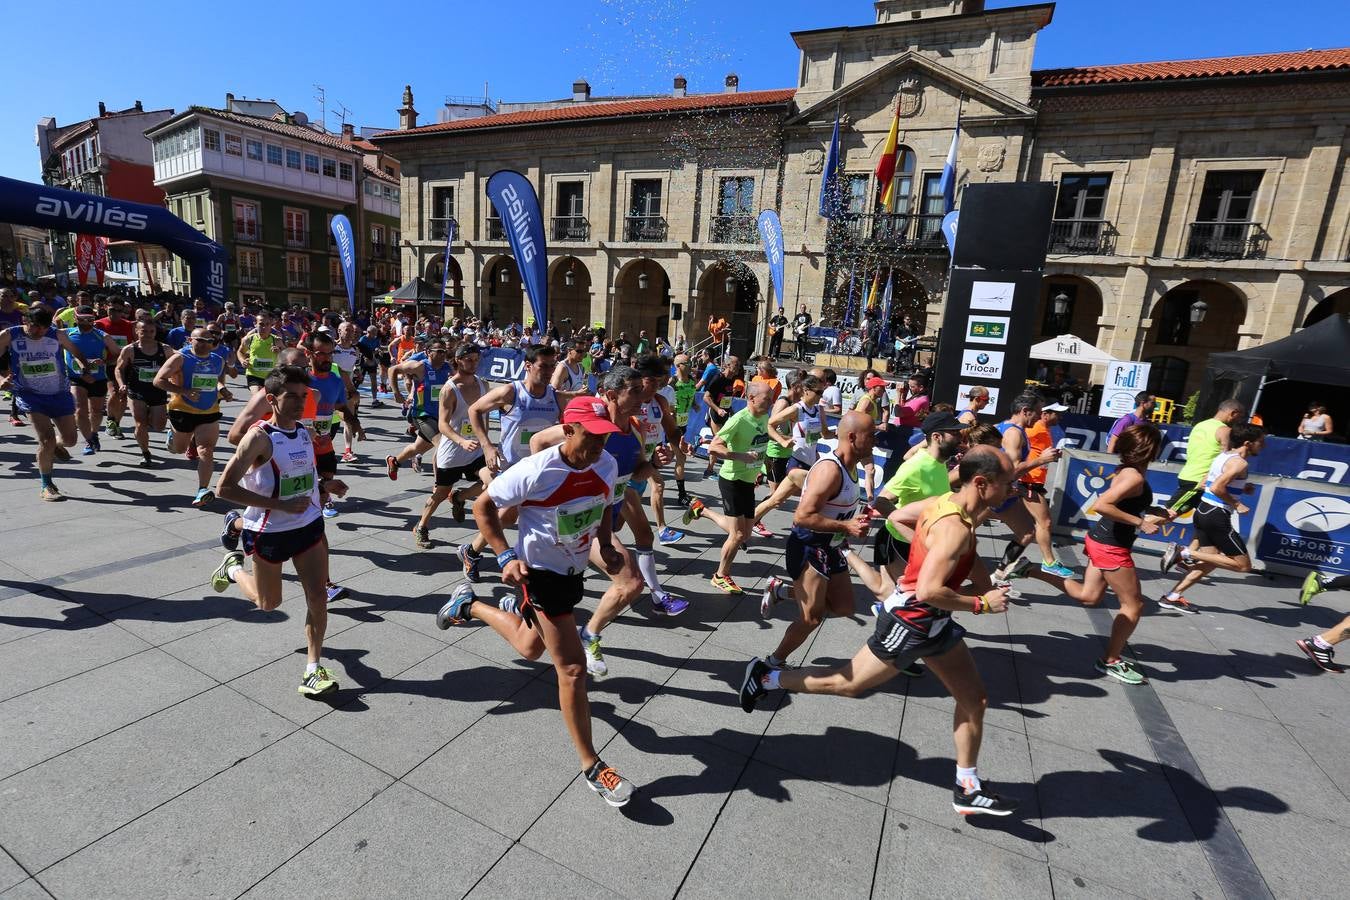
<point>874,381</point>
<point>590,413</point>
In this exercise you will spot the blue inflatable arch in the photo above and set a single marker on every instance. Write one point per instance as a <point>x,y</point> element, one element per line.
<point>23,203</point>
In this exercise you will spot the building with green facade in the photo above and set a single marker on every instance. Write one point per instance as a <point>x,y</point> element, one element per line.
<point>267,184</point>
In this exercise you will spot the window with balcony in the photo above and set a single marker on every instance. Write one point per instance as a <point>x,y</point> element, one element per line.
<point>234,145</point>
<point>929,221</point>
<point>344,171</point>
<point>335,274</point>
<point>645,219</point>
<point>569,220</point>
<point>377,245</point>
<point>855,194</point>
<point>312,163</point>
<point>211,139</point>
<point>273,155</point>
<point>735,219</point>
<point>441,212</point>
<point>245,221</point>
<point>292,159</point>
<point>250,266</point>
<point>329,168</point>
<point>1223,226</point>
<point>254,150</point>
<point>1080,209</point>
<point>296,223</point>
<point>297,270</point>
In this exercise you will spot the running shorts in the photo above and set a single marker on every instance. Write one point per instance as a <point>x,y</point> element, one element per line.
<point>468,472</point>
<point>738,497</point>
<point>777,467</point>
<point>280,546</point>
<point>895,643</point>
<point>1107,556</point>
<point>1186,497</point>
<point>1214,528</point>
<point>887,547</point>
<point>97,388</point>
<point>256,381</point>
<point>552,594</point>
<point>148,395</point>
<point>827,559</point>
<point>53,406</point>
<point>427,428</point>
<point>326,464</point>
<point>186,422</point>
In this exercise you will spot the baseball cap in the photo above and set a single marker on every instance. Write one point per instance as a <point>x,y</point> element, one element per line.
<point>466,349</point>
<point>1054,407</point>
<point>590,413</point>
<point>941,421</point>
<point>874,381</point>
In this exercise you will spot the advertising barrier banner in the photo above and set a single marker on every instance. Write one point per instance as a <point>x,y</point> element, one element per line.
<point>1307,528</point>
<point>517,204</point>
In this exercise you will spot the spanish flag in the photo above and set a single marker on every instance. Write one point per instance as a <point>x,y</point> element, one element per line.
<point>886,165</point>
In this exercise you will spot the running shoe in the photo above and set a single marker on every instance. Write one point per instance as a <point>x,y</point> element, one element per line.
<point>335,592</point>
<point>417,464</point>
<point>202,497</point>
<point>93,439</point>
<point>348,456</point>
<point>457,507</point>
<point>168,439</point>
<point>595,657</point>
<point>329,510</point>
<point>761,530</point>
<point>1054,567</point>
<point>664,604</point>
<point>981,801</point>
<point>752,688</point>
<point>62,453</point>
<point>670,536</point>
<point>471,563</point>
<point>1312,586</point>
<point>17,422</point>
<point>114,428</point>
<point>1003,575</point>
<point>391,463</point>
<point>612,787</point>
<point>229,538</point>
<point>1179,604</point>
<point>422,537</point>
<point>191,452</point>
<point>1120,670</point>
<point>51,494</point>
<point>318,683</point>
<point>683,498</point>
<point>456,609</point>
<point>510,603</point>
<point>147,461</point>
<point>1170,556</point>
<point>770,595</point>
<point>1325,659</point>
<point>88,449</point>
<point>725,584</point>
<point>693,512</point>
<point>220,579</point>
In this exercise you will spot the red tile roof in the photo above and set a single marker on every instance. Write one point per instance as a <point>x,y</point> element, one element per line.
<point>1226,66</point>
<point>624,108</point>
<point>299,132</point>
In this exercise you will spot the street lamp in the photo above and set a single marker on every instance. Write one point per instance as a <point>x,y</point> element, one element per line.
<point>1198,310</point>
<point>730,285</point>
<point>504,275</point>
<point>569,277</point>
<point>1060,306</point>
<point>643,280</point>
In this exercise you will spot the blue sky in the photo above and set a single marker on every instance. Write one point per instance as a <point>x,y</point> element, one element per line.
<point>362,58</point>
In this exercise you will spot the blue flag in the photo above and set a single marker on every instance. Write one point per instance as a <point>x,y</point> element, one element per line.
<point>829,182</point>
<point>948,181</point>
<point>346,242</point>
<point>445,274</point>
<point>771,233</point>
<point>516,203</point>
<point>949,224</point>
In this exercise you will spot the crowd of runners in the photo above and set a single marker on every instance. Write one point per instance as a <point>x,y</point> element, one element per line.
<point>563,470</point>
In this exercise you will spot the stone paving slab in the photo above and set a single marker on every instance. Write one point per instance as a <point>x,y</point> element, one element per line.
<point>154,744</point>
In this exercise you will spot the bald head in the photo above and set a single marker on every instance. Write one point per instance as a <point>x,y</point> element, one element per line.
<point>990,463</point>
<point>292,356</point>
<point>854,422</point>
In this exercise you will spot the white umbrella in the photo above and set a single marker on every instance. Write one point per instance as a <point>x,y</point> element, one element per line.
<point>1070,348</point>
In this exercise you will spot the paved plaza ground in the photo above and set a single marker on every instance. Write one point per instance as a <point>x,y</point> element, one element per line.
<point>152,743</point>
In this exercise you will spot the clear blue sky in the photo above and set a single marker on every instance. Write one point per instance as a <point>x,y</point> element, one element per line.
<point>363,53</point>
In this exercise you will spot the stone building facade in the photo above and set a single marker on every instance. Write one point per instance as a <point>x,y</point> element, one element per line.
<point>1202,206</point>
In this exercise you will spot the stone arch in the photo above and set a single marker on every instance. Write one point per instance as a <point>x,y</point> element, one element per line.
<point>1180,349</point>
<point>641,299</point>
<point>503,301</point>
<point>739,306</point>
<point>454,285</point>
<point>1337,303</point>
<point>569,301</point>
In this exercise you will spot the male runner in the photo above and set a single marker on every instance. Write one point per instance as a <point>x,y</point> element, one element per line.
<point>917,621</point>
<point>194,379</point>
<point>137,366</point>
<point>178,335</point>
<point>37,375</point>
<point>563,496</point>
<point>740,443</point>
<point>1026,409</point>
<point>90,388</point>
<point>1206,441</point>
<point>1220,545</point>
<point>330,386</point>
<point>258,351</point>
<point>458,455</point>
<point>570,375</point>
<point>11,315</point>
<point>273,474</point>
<point>122,330</point>
<point>371,347</point>
<point>799,445</point>
<point>347,359</point>
<point>429,376</point>
<point>685,390</point>
<point>923,475</point>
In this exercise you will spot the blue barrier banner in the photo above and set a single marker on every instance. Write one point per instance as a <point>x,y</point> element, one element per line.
<point>1286,457</point>
<point>1307,528</point>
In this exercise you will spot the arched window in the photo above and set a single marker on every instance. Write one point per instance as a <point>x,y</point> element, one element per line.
<point>1167,377</point>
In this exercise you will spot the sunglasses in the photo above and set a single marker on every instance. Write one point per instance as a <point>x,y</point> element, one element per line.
<point>207,340</point>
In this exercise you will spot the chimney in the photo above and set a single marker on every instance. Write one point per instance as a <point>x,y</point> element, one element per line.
<point>733,83</point>
<point>139,108</point>
<point>229,102</point>
<point>407,116</point>
<point>581,90</point>
<point>102,109</point>
<point>348,132</point>
<point>681,86</point>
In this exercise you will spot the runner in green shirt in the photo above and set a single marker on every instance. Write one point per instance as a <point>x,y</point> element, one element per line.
<point>925,474</point>
<point>1207,440</point>
<point>740,443</point>
<point>686,388</point>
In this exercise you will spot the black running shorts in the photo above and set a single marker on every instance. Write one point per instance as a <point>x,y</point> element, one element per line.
<point>886,547</point>
<point>280,546</point>
<point>827,559</point>
<point>552,594</point>
<point>1214,528</point>
<point>776,467</point>
<point>468,472</point>
<point>1186,497</point>
<point>186,422</point>
<point>896,643</point>
<point>738,497</point>
<point>95,389</point>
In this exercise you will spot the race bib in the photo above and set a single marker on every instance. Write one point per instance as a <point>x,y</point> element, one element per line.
<point>525,437</point>
<point>323,426</point>
<point>725,402</point>
<point>576,521</point>
<point>681,419</point>
<point>296,485</point>
<point>436,393</point>
<point>37,370</point>
<point>146,375</point>
<point>118,339</point>
<point>466,429</point>
<point>620,488</point>
<point>204,382</point>
<point>812,437</point>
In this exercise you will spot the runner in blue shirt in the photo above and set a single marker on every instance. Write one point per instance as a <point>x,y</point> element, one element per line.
<point>89,385</point>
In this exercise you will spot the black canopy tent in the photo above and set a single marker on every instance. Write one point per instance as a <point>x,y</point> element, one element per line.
<point>418,290</point>
<point>1279,379</point>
